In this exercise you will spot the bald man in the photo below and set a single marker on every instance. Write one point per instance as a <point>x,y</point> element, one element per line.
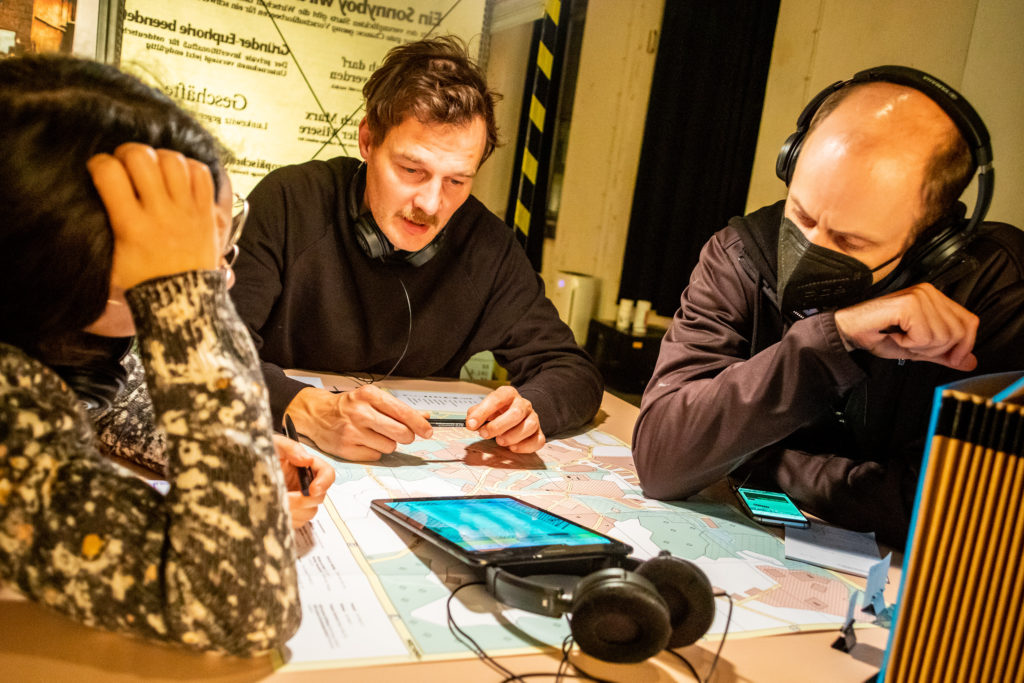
<point>805,351</point>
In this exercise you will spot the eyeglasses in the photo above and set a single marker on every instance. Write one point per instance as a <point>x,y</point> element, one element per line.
<point>239,212</point>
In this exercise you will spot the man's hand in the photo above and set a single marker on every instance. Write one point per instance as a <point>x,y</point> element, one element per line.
<point>509,419</point>
<point>293,456</point>
<point>918,323</point>
<point>360,424</point>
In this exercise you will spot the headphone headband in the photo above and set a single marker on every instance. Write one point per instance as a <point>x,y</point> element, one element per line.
<point>621,609</point>
<point>967,120</point>
<point>951,238</point>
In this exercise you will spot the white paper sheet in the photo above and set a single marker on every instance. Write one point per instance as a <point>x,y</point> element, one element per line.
<point>833,548</point>
<point>342,616</point>
<point>438,401</point>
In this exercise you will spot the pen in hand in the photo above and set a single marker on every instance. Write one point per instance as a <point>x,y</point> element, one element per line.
<point>305,473</point>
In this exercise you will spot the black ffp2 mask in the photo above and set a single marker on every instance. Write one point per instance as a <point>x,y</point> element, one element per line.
<point>815,278</point>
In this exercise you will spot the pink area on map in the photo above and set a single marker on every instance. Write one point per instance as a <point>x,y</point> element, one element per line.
<point>804,590</point>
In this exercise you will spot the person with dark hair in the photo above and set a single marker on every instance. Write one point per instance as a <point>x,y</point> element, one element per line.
<point>117,219</point>
<point>102,368</point>
<point>389,266</point>
<point>813,332</point>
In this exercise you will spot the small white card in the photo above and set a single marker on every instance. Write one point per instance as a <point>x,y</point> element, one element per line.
<point>311,381</point>
<point>826,546</point>
<point>875,588</point>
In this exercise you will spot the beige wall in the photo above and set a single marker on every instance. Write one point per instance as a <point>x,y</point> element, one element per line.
<point>506,73</point>
<point>974,45</point>
<point>617,63</point>
<point>993,81</point>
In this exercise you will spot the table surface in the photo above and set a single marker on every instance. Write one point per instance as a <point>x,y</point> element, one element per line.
<point>37,644</point>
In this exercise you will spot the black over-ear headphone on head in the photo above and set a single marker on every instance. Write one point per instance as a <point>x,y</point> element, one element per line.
<point>372,241</point>
<point>623,613</point>
<point>948,236</point>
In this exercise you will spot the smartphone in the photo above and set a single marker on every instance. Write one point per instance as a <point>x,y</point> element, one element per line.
<point>495,529</point>
<point>771,507</point>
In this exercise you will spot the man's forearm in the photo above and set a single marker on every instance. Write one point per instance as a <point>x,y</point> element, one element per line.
<point>564,398</point>
<point>705,414</point>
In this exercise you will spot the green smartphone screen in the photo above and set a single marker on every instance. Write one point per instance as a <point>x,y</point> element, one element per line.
<point>771,505</point>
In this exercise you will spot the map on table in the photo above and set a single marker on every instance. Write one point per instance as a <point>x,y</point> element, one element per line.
<point>373,592</point>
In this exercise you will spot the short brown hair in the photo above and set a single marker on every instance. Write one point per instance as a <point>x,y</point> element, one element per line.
<point>433,80</point>
<point>948,171</point>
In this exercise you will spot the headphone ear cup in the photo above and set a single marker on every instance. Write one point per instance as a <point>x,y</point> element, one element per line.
<point>786,160</point>
<point>687,593</point>
<point>618,616</point>
<point>373,242</point>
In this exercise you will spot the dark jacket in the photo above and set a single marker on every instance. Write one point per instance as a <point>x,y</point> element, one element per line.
<point>314,300</point>
<point>738,387</point>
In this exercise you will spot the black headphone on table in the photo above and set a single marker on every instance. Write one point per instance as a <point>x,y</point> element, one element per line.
<point>623,613</point>
<point>372,241</point>
<point>951,233</point>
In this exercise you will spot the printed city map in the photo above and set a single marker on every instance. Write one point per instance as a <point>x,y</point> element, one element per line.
<point>360,574</point>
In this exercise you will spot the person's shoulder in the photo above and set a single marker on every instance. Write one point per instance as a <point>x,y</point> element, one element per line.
<point>1008,236</point>
<point>475,213</point>
<point>1003,239</point>
<point>755,235</point>
<point>315,173</point>
<point>14,363</point>
<point>760,226</point>
<point>23,376</point>
<point>728,238</point>
<point>475,223</point>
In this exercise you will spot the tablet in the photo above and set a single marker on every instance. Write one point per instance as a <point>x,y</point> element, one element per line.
<point>495,529</point>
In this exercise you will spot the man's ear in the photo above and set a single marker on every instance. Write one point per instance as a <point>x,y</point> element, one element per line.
<point>365,139</point>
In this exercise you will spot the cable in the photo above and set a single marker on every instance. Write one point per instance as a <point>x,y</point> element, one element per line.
<point>363,381</point>
<point>684,660</point>
<point>408,336</point>
<point>714,662</point>
<point>537,674</point>
<point>725,633</point>
<point>564,663</point>
<point>511,677</point>
<point>567,644</point>
<point>586,676</point>
<point>468,641</point>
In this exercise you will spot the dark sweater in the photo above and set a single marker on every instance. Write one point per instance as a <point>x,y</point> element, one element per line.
<point>737,386</point>
<point>314,300</point>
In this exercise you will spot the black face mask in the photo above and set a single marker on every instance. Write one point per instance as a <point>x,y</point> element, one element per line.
<point>813,278</point>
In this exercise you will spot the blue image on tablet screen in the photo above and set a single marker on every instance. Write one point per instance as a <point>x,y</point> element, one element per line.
<point>476,524</point>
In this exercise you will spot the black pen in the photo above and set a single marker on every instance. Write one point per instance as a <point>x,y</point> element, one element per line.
<point>305,473</point>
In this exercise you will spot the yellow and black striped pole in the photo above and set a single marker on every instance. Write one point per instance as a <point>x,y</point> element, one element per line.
<point>528,196</point>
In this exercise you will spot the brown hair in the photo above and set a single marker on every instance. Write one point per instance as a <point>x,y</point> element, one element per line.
<point>948,171</point>
<point>433,80</point>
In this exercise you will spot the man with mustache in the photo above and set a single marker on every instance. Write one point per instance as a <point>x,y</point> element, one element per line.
<point>813,332</point>
<point>389,266</point>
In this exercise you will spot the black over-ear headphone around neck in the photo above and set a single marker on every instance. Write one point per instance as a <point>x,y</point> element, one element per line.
<point>623,613</point>
<point>372,241</point>
<point>950,234</point>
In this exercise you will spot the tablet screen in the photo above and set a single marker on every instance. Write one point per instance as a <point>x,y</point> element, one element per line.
<point>497,526</point>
